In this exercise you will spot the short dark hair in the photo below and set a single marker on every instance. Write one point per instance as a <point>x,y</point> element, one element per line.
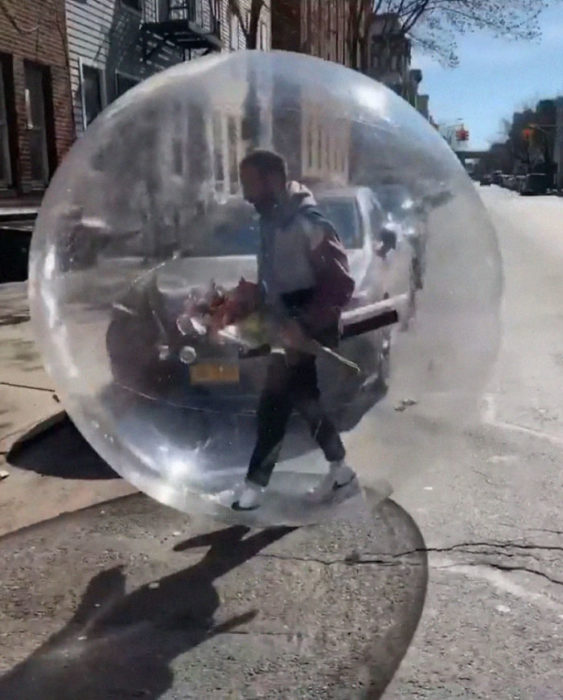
<point>266,162</point>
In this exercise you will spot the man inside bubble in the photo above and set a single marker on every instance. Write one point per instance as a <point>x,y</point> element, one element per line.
<point>303,284</point>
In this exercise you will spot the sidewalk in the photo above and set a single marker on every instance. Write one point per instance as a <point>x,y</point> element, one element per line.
<point>28,406</point>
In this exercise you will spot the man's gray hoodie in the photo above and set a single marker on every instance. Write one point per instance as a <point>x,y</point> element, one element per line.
<point>302,264</point>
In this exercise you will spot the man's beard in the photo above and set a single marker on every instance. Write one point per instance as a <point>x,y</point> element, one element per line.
<point>266,205</point>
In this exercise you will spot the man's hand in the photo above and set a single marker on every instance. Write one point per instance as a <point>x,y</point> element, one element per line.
<point>292,335</point>
<point>224,314</point>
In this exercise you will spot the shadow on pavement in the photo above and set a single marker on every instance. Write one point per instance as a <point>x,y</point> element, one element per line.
<point>274,613</point>
<point>130,639</point>
<point>60,451</point>
<point>224,439</point>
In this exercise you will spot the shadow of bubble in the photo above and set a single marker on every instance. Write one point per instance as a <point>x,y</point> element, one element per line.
<point>129,602</point>
<point>60,451</point>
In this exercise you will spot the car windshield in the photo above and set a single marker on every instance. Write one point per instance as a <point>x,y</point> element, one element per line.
<point>233,234</point>
<point>233,239</point>
<point>394,198</point>
<point>343,215</point>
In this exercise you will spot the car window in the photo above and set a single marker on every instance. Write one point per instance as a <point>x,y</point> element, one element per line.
<point>233,239</point>
<point>376,217</point>
<point>233,234</point>
<point>393,198</point>
<point>344,216</point>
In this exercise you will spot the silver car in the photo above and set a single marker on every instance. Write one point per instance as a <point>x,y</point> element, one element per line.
<point>148,353</point>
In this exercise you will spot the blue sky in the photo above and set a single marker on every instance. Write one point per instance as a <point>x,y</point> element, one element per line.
<point>495,78</point>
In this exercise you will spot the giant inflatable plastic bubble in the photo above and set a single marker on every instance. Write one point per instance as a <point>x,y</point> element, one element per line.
<point>145,240</point>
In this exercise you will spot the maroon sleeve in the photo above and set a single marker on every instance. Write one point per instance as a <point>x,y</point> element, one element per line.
<point>334,284</point>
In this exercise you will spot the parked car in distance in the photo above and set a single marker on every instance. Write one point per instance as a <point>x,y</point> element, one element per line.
<point>519,182</point>
<point>511,182</point>
<point>485,180</point>
<point>496,177</point>
<point>534,184</point>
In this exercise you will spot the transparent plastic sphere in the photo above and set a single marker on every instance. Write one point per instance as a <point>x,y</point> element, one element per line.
<point>160,302</point>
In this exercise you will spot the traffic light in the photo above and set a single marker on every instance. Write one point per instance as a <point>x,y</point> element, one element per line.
<point>527,134</point>
<point>462,134</point>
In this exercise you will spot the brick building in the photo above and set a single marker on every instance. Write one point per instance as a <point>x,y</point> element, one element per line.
<point>36,123</point>
<point>315,27</point>
<point>316,146</point>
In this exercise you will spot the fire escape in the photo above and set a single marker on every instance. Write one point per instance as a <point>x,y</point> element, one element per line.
<point>188,25</point>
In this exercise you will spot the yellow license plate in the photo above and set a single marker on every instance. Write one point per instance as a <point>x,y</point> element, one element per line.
<point>214,373</point>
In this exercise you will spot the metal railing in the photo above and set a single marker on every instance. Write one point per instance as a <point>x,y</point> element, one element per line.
<point>204,13</point>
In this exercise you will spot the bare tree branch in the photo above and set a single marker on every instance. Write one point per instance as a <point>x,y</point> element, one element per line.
<point>434,24</point>
<point>250,32</point>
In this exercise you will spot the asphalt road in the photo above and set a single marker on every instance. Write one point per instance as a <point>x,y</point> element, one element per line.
<point>104,604</point>
<point>489,501</point>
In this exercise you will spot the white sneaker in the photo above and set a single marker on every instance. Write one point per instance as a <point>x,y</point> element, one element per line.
<point>250,497</point>
<point>340,476</point>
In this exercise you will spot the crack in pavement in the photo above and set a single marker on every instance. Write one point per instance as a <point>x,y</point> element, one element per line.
<point>504,567</point>
<point>27,386</point>
<point>349,560</point>
<point>499,548</point>
<point>504,554</point>
<point>492,545</point>
<point>389,559</point>
<point>485,477</point>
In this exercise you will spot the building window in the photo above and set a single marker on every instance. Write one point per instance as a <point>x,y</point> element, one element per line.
<point>36,118</point>
<point>5,162</point>
<point>232,134</point>
<point>92,93</point>
<point>177,155</point>
<point>235,32</point>
<point>310,144</point>
<point>304,9</point>
<point>124,83</point>
<point>263,40</point>
<point>328,36</point>
<point>218,168</point>
<point>334,31</point>
<point>133,4</point>
<point>314,22</point>
<point>341,33</point>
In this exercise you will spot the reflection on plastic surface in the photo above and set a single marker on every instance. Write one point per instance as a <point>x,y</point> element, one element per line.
<point>164,302</point>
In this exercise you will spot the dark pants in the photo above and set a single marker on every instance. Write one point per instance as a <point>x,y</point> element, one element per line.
<point>291,383</point>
